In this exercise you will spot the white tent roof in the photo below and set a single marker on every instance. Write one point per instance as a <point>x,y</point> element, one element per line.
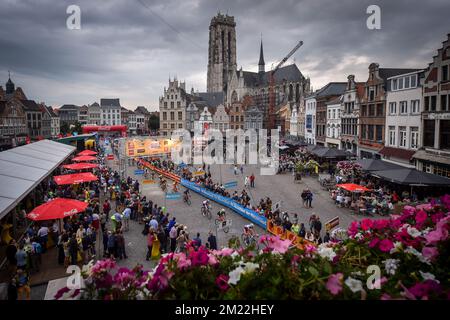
<point>23,168</point>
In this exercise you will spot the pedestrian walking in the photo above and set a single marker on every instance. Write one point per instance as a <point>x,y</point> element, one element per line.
<point>173,238</point>
<point>252,181</point>
<point>212,241</point>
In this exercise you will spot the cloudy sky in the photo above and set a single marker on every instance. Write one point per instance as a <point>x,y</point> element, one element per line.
<point>129,48</point>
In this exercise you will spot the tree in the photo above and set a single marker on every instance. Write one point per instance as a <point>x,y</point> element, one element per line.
<point>153,122</point>
<point>64,128</point>
<point>76,127</point>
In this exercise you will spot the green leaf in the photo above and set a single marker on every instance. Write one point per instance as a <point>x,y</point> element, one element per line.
<point>313,271</point>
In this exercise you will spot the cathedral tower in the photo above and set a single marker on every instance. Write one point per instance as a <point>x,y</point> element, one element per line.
<point>221,52</point>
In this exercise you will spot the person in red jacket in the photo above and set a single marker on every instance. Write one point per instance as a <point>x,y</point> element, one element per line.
<point>106,208</point>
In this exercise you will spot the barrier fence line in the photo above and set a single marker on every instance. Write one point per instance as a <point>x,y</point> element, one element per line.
<point>248,214</point>
<point>227,202</point>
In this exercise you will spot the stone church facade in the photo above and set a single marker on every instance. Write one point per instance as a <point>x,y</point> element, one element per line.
<point>223,75</point>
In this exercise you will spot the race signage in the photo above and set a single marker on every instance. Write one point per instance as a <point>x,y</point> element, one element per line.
<point>173,196</point>
<point>198,173</point>
<point>110,157</point>
<point>148,181</point>
<point>333,223</point>
<point>231,184</point>
<point>138,172</point>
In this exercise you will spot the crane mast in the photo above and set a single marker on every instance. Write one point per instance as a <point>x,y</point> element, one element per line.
<point>272,122</point>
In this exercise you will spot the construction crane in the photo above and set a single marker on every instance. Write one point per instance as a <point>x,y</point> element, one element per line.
<point>272,119</point>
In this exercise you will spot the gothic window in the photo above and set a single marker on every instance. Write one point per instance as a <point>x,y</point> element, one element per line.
<point>229,47</point>
<point>234,96</point>
<point>297,92</point>
<point>223,46</point>
<point>291,89</point>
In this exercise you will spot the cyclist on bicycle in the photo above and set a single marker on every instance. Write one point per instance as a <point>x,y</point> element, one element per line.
<point>248,230</point>
<point>186,195</point>
<point>205,205</point>
<point>221,215</point>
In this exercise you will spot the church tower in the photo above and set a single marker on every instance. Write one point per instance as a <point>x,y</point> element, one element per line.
<point>221,52</point>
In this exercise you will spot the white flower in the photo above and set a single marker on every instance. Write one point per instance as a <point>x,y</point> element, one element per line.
<point>397,247</point>
<point>426,231</point>
<point>428,276</point>
<point>417,254</point>
<point>250,266</point>
<point>358,236</point>
<point>235,275</point>
<point>391,265</point>
<point>353,284</point>
<point>326,252</point>
<point>234,254</point>
<point>413,232</point>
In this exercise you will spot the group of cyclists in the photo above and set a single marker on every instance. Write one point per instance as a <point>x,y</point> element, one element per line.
<point>248,236</point>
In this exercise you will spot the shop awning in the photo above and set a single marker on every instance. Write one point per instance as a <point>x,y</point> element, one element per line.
<point>75,178</point>
<point>352,187</point>
<point>411,177</point>
<point>330,153</point>
<point>24,167</point>
<point>80,166</point>
<point>377,165</point>
<point>58,208</point>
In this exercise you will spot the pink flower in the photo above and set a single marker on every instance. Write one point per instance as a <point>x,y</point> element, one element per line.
<point>424,206</point>
<point>200,257</point>
<point>421,217</point>
<point>430,253</point>
<point>224,252</point>
<point>276,244</point>
<point>334,283</point>
<point>380,224</point>
<point>386,245</point>
<point>366,224</point>
<point>423,289</point>
<point>222,282</point>
<point>373,243</point>
<point>182,261</point>
<point>385,296</point>
<point>309,249</point>
<point>281,246</point>
<point>212,260</point>
<point>353,228</point>
<point>437,235</point>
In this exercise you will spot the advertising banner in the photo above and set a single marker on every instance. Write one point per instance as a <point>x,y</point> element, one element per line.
<point>148,147</point>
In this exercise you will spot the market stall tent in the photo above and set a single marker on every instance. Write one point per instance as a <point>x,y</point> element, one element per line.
<point>58,208</point>
<point>80,166</point>
<point>75,178</point>
<point>87,153</point>
<point>84,158</point>
<point>352,187</point>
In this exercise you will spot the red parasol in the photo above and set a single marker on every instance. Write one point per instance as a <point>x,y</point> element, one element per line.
<point>84,158</point>
<point>75,178</point>
<point>352,187</point>
<point>80,166</point>
<point>57,209</point>
<point>87,153</point>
